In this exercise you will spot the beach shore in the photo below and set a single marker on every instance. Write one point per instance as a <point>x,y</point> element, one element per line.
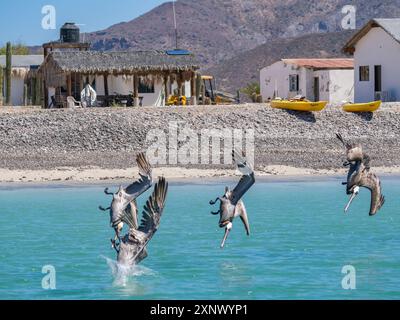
<point>95,175</point>
<point>100,144</point>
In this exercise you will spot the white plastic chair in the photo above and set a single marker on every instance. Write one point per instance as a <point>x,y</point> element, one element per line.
<point>72,103</point>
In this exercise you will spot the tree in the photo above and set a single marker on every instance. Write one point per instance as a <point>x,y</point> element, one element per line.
<point>252,90</point>
<point>18,49</point>
<point>8,73</point>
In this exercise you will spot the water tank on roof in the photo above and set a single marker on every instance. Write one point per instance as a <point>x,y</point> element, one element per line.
<point>69,33</point>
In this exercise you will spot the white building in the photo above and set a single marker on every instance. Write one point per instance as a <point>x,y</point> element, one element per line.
<point>376,51</point>
<point>20,66</point>
<point>317,79</point>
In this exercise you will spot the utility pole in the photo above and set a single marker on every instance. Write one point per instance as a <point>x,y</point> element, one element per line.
<point>175,25</point>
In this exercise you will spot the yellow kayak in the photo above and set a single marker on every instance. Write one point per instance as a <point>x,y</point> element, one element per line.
<point>362,107</point>
<point>299,105</point>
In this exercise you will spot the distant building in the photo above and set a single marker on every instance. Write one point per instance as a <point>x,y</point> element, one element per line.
<point>146,76</point>
<point>376,51</point>
<point>23,66</point>
<point>317,79</point>
<point>130,78</point>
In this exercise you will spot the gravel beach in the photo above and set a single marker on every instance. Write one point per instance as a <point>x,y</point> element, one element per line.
<point>102,139</point>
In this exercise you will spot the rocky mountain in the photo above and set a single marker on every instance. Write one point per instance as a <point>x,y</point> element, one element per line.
<point>235,73</point>
<point>217,30</point>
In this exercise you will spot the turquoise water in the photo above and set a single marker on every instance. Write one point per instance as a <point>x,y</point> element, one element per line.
<point>300,241</point>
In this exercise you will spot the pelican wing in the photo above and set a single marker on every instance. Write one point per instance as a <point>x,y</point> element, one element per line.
<point>154,208</point>
<point>242,164</point>
<point>247,179</point>
<point>129,215</point>
<point>140,186</point>
<point>242,187</point>
<point>372,182</point>
<point>243,216</point>
<point>354,175</point>
<point>346,144</point>
<point>366,161</point>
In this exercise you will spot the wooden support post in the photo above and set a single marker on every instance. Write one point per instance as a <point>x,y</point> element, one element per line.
<point>203,93</point>
<point>193,100</point>
<point>80,77</point>
<point>105,82</point>
<point>166,88</point>
<point>45,95</point>
<point>180,88</point>
<point>69,86</point>
<point>179,82</point>
<point>105,78</point>
<point>135,90</point>
<point>38,92</point>
<point>25,96</point>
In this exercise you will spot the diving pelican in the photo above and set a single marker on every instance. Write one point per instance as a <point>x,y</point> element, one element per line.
<point>132,248</point>
<point>124,199</point>
<point>359,175</point>
<point>231,205</point>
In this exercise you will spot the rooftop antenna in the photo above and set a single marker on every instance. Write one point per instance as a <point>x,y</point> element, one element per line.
<point>176,29</point>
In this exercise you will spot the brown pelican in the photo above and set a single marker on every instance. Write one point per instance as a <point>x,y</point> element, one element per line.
<point>124,199</point>
<point>231,205</point>
<point>132,248</point>
<point>359,175</point>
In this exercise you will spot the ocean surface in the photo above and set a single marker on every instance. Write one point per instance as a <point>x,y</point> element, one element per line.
<point>300,241</point>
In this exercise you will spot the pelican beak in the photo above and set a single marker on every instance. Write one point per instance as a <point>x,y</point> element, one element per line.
<point>227,230</point>
<point>355,193</point>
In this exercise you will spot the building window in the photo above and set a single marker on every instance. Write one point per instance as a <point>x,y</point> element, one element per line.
<point>293,82</point>
<point>364,73</point>
<point>146,87</point>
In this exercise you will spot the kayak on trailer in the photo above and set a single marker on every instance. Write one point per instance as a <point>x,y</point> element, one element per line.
<point>299,105</point>
<point>362,107</point>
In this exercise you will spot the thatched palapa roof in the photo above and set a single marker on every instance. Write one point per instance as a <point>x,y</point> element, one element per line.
<point>120,62</point>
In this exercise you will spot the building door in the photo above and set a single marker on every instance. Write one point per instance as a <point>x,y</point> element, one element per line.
<point>378,78</point>
<point>316,88</point>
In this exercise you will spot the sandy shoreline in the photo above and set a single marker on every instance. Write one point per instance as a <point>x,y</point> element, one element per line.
<point>95,175</point>
<point>99,145</point>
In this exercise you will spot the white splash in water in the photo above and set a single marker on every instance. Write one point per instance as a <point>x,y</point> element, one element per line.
<point>122,273</point>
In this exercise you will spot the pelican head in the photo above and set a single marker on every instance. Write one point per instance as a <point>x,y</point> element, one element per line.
<point>227,192</point>
<point>228,227</point>
<point>119,193</point>
<point>356,191</point>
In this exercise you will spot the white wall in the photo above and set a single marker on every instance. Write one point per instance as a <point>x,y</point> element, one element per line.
<point>334,85</point>
<point>341,85</point>
<point>17,91</point>
<point>377,48</point>
<point>186,85</point>
<point>124,85</point>
<point>277,75</point>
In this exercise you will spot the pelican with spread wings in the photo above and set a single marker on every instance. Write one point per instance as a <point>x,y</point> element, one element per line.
<point>359,175</point>
<point>132,248</point>
<point>124,200</point>
<point>231,205</point>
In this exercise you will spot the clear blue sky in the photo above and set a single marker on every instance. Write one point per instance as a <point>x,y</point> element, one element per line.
<point>21,20</point>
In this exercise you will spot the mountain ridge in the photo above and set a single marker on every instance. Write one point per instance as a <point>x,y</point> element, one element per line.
<point>216,30</point>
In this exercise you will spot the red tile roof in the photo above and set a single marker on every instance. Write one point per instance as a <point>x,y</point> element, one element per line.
<point>322,63</point>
